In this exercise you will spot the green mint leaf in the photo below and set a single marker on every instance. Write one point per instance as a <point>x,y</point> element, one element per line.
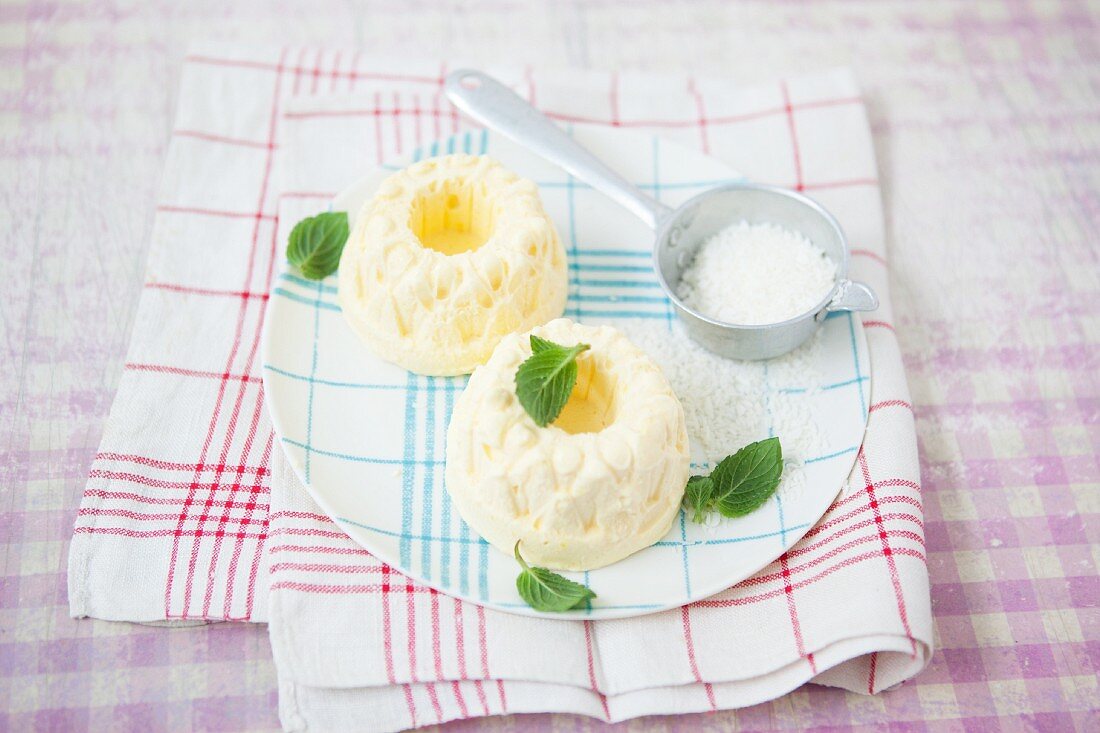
<point>547,591</point>
<point>545,381</point>
<point>745,480</point>
<point>540,344</point>
<point>698,496</point>
<point>315,244</point>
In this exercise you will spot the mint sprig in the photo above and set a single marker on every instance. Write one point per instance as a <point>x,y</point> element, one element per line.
<point>547,591</point>
<point>739,484</point>
<point>545,380</point>
<point>315,244</point>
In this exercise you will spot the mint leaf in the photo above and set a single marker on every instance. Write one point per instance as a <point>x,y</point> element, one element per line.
<point>315,244</point>
<point>547,591</point>
<point>698,495</point>
<point>540,344</point>
<point>545,380</point>
<point>739,484</point>
<point>745,480</point>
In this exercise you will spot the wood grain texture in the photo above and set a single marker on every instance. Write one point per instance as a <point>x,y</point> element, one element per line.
<point>987,125</point>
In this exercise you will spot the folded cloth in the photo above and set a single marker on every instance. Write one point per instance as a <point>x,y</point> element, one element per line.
<point>359,646</point>
<point>190,513</point>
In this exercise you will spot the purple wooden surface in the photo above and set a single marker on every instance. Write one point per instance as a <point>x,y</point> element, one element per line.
<point>987,122</point>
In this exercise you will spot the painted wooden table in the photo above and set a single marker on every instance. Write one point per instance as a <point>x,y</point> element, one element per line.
<point>987,122</point>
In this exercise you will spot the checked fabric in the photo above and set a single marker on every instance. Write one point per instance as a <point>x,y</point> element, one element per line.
<point>190,512</point>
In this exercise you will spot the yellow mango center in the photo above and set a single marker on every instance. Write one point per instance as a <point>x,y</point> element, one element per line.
<point>452,217</point>
<point>591,406</point>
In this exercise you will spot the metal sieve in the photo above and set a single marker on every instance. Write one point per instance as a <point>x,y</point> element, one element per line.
<point>680,232</point>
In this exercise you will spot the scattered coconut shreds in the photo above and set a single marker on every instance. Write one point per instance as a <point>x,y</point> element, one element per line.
<point>729,404</point>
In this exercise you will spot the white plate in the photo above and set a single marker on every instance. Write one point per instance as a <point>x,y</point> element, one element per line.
<point>367,438</point>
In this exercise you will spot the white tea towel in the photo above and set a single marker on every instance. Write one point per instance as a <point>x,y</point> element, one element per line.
<point>188,502</point>
<point>358,646</point>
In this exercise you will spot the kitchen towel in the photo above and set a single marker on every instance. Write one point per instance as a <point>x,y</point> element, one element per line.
<point>190,513</point>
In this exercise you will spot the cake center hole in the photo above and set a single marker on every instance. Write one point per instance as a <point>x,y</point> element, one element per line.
<point>452,218</point>
<point>591,406</point>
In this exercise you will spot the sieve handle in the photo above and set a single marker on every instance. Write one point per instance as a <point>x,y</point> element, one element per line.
<point>853,296</point>
<point>492,104</point>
